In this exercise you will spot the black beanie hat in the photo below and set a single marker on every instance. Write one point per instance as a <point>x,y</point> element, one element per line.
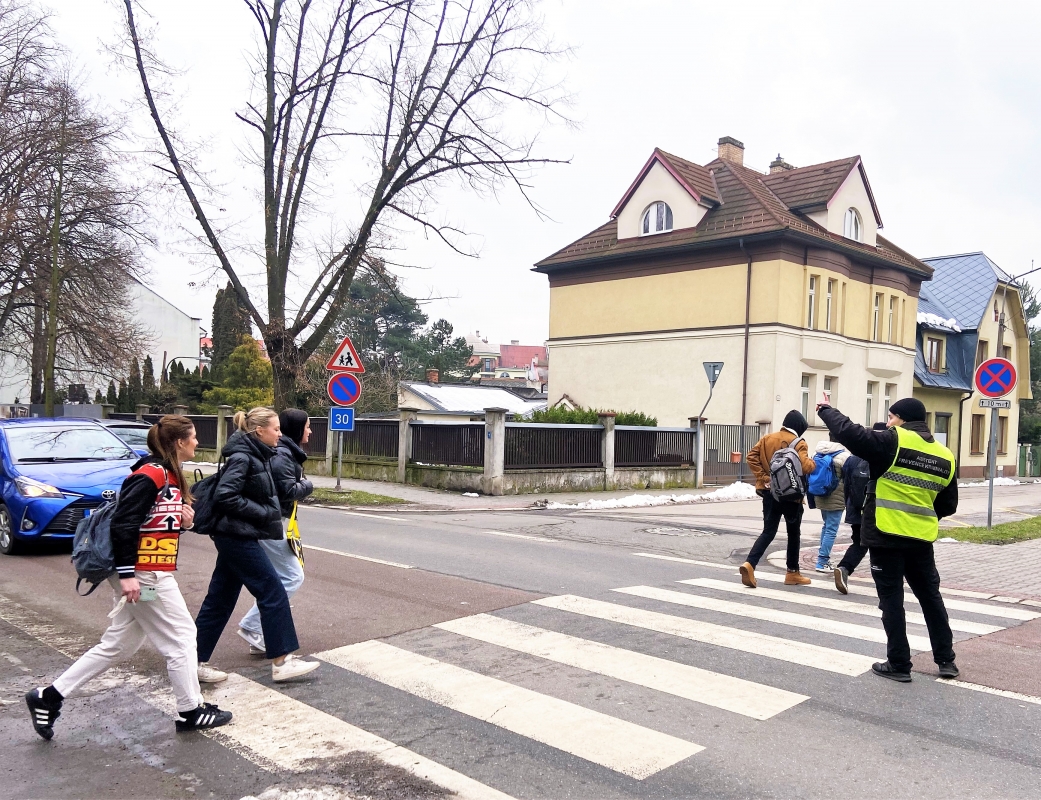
<point>909,410</point>
<point>795,421</point>
<point>293,421</point>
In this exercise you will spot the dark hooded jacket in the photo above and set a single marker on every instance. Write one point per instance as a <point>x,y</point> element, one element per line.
<point>287,469</point>
<point>245,495</point>
<point>879,448</point>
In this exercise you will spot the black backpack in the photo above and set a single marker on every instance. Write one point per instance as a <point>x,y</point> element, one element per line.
<point>787,482</point>
<point>206,514</point>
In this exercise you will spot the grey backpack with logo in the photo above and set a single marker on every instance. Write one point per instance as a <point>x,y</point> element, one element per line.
<point>787,482</point>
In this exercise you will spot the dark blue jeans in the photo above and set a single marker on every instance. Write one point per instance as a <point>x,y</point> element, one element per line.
<point>243,562</point>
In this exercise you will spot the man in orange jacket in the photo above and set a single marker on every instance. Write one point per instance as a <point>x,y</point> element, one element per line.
<point>758,458</point>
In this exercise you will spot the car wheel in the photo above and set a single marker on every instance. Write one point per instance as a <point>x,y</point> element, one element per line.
<point>8,545</point>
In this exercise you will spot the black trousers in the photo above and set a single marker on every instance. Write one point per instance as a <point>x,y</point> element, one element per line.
<point>855,552</point>
<point>243,562</point>
<point>772,513</point>
<point>889,567</point>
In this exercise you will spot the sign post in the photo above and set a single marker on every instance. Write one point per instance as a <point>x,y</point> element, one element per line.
<point>344,389</point>
<point>712,370</point>
<point>994,378</point>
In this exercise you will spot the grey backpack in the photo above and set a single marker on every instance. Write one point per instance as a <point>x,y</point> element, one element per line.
<point>92,547</point>
<point>786,476</point>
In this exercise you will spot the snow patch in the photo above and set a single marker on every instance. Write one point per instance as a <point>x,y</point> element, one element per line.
<point>470,494</point>
<point>735,491</point>
<point>997,482</point>
<point>947,539</point>
<point>936,321</point>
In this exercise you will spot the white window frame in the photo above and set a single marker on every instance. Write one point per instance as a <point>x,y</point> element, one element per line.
<point>812,304</point>
<point>805,405</point>
<point>828,306</point>
<point>852,225</point>
<point>872,390</point>
<point>888,399</point>
<point>876,319</point>
<point>829,388</point>
<point>662,216</point>
<point>892,319</point>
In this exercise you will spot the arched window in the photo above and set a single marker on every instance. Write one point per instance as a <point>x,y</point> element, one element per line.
<point>657,219</point>
<point>852,228</point>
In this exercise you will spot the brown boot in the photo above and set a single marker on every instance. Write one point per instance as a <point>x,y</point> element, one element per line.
<point>795,578</point>
<point>747,575</point>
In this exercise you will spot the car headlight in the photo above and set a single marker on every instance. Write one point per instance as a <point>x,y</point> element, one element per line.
<point>33,488</point>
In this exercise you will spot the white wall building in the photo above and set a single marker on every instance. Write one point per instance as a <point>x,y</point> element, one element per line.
<point>172,335</point>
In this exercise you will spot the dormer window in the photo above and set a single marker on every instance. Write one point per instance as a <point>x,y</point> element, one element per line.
<point>852,227</point>
<point>656,219</point>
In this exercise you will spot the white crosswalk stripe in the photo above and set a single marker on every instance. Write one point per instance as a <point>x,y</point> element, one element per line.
<point>831,603</point>
<point>751,699</point>
<point>621,746</point>
<point>292,735</point>
<point>822,624</point>
<point>789,650</point>
<point>952,605</point>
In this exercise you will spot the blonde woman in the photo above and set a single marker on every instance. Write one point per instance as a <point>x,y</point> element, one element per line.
<point>246,502</point>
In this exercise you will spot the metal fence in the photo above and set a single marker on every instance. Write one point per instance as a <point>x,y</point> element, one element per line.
<point>653,447</point>
<point>448,445</point>
<point>205,430</point>
<point>376,438</point>
<point>725,449</point>
<point>533,446</point>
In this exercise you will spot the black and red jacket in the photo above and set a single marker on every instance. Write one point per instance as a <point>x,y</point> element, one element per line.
<point>145,526</point>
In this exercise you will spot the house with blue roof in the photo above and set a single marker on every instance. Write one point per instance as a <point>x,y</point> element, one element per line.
<point>959,313</point>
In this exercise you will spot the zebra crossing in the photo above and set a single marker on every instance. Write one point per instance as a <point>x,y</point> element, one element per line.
<point>586,696</point>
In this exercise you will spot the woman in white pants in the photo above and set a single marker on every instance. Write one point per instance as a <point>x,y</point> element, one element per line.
<point>291,485</point>
<point>154,506</point>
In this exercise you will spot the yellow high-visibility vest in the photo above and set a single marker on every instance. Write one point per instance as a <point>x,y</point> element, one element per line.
<point>904,495</point>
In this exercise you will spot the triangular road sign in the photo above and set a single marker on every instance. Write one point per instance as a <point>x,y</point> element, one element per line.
<point>345,359</point>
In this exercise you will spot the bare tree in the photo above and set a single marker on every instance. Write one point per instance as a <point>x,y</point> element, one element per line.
<point>79,227</point>
<point>430,84</point>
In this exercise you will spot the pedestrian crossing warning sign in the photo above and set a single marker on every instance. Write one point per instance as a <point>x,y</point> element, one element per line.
<point>345,358</point>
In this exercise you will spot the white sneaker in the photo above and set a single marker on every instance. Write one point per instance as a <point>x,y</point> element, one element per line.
<point>208,674</point>
<point>292,667</point>
<point>254,640</point>
<point>827,569</point>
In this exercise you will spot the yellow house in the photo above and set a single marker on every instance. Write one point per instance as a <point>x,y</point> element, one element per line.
<point>959,313</point>
<point>784,277</point>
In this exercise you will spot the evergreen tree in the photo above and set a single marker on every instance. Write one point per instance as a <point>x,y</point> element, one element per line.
<point>123,404</point>
<point>111,398</point>
<point>247,379</point>
<point>134,388</point>
<point>148,376</point>
<point>230,323</point>
<point>98,399</point>
<point>438,349</point>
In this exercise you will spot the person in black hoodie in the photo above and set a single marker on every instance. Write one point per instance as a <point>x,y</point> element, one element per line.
<point>154,506</point>
<point>248,511</point>
<point>291,486</point>
<point>856,474</point>
<point>896,555</point>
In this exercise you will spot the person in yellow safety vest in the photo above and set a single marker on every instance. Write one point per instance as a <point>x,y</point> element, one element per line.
<point>912,487</point>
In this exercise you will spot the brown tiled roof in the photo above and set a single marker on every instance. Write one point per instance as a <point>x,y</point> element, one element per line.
<point>694,174</point>
<point>749,203</point>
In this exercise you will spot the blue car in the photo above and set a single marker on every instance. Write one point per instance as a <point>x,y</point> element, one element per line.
<point>53,473</point>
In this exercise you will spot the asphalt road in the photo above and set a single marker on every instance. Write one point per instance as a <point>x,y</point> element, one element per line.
<point>497,652</point>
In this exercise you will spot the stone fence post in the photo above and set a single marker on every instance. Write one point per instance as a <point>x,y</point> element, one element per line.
<point>223,412</point>
<point>142,409</point>
<point>606,419</point>
<point>107,410</point>
<point>405,441</point>
<point>494,450</point>
<point>180,409</point>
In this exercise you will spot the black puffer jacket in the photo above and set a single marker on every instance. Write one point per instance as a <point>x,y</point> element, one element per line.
<point>287,467</point>
<point>245,495</point>
<point>878,448</point>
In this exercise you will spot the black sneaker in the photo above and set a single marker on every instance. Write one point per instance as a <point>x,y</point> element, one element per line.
<point>842,580</point>
<point>205,716</point>
<point>885,670</point>
<point>42,713</point>
<point>948,670</point>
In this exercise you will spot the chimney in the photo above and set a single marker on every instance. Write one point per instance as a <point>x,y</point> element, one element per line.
<point>779,165</point>
<point>432,375</point>
<point>730,149</point>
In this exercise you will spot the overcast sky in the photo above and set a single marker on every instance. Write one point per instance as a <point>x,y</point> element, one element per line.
<point>939,98</point>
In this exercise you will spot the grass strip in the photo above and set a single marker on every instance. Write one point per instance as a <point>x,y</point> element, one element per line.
<point>355,497</point>
<point>1005,533</point>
